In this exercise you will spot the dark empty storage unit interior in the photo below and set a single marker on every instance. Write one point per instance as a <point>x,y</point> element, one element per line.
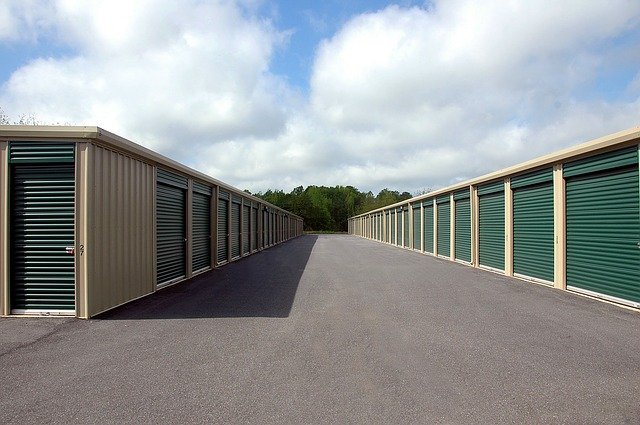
<point>570,220</point>
<point>91,221</point>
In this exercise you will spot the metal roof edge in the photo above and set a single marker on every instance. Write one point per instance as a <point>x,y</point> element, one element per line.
<point>587,147</point>
<point>104,137</point>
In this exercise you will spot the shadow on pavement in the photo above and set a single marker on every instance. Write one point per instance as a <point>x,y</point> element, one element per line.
<point>261,285</point>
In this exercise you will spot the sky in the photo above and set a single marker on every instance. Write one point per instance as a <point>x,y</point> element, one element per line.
<point>406,95</point>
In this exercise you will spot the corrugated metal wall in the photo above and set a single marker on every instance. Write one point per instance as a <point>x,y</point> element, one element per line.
<point>119,245</point>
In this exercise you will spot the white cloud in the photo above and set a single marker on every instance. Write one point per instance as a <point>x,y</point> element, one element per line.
<point>172,75</point>
<point>472,84</point>
<point>405,98</point>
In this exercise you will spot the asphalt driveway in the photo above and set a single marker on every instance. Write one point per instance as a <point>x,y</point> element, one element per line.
<point>330,329</point>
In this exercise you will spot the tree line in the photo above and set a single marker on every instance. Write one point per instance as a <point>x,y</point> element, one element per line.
<point>328,208</point>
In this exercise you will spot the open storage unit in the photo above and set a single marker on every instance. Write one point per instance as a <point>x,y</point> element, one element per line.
<point>90,221</point>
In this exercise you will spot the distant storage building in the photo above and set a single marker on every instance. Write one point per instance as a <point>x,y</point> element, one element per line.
<point>570,220</point>
<point>90,221</point>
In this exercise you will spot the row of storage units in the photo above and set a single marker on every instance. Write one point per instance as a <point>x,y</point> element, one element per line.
<point>569,220</point>
<point>91,221</point>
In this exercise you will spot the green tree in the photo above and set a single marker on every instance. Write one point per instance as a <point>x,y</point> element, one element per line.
<point>328,208</point>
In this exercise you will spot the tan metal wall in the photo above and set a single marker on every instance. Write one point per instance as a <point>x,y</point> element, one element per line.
<point>118,246</point>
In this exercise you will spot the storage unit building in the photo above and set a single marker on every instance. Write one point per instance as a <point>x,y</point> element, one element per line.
<point>570,219</point>
<point>91,221</point>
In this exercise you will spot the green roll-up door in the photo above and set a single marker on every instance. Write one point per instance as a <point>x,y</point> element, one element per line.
<point>428,227</point>
<point>265,228</point>
<point>394,227</point>
<point>236,229</point>
<point>603,225</point>
<point>417,219</point>
<point>171,232</point>
<point>399,227</point>
<point>42,228</point>
<point>254,229</point>
<point>463,226</point>
<point>223,227</point>
<point>245,228</point>
<point>491,225</point>
<point>405,215</point>
<point>201,233</point>
<point>444,226</point>
<point>272,225</point>
<point>533,225</point>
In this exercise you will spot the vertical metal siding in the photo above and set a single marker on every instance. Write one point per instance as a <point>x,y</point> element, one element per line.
<point>171,233</point>
<point>119,246</point>
<point>463,229</point>
<point>42,227</point>
<point>416,227</point>
<point>428,227</point>
<point>223,228</point>
<point>491,229</point>
<point>533,247</point>
<point>444,228</point>
<point>245,228</point>
<point>603,232</point>
<point>201,233</point>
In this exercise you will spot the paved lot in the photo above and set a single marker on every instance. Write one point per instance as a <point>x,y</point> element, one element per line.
<point>330,329</point>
